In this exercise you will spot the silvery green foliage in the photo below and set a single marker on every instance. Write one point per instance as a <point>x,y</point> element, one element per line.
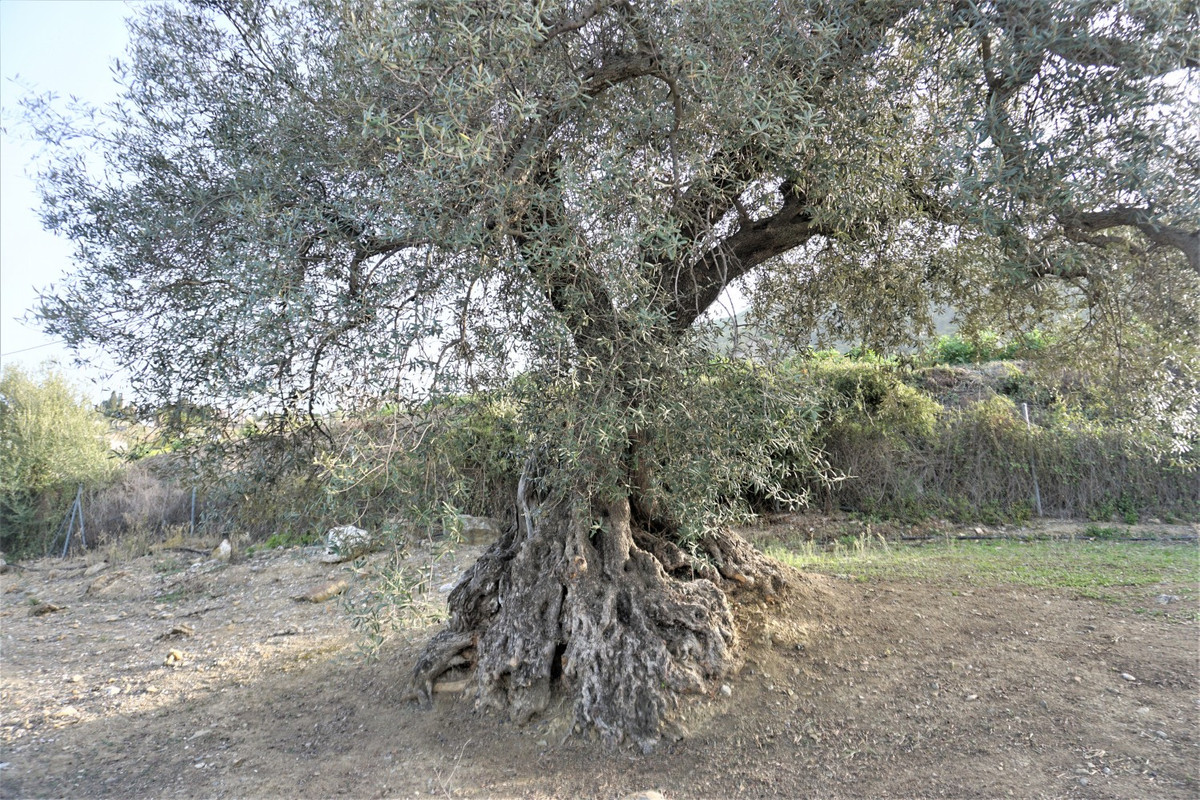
<point>311,204</point>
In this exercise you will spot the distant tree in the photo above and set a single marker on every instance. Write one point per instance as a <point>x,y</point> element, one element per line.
<point>305,202</point>
<point>50,442</point>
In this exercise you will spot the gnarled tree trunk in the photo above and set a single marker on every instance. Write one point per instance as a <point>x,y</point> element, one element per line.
<point>574,598</point>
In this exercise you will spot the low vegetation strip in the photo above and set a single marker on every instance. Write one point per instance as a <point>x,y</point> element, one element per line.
<point>1100,569</point>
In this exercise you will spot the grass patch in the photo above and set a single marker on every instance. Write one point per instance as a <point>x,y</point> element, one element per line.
<point>173,596</point>
<point>1099,569</point>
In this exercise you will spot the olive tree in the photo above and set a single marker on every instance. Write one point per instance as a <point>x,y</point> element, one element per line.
<point>294,202</point>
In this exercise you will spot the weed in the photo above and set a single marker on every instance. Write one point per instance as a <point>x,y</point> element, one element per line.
<point>173,596</point>
<point>290,538</point>
<point>1098,532</point>
<point>168,566</point>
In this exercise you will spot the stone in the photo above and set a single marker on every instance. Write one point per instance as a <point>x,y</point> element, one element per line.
<point>40,609</point>
<point>645,794</point>
<point>114,584</point>
<point>178,631</point>
<point>346,542</point>
<point>324,592</point>
<point>726,690</point>
<point>478,530</point>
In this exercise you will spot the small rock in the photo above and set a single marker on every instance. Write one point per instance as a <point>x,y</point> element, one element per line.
<point>645,794</point>
<point>325,592</point>
<point>112,691</point>
<point>1167,599</point>
<point>42,609</point>
<point>1084,781</point>
<point>1106,771</point>
<point>446,587</point>
<point>1161,734</point>
<point>478,530</point>
<point>971,697</point>
<point>1077,679</point>
<point>726,690</point>
<point>72,678</point>
<point>114,583</point>
<point>1126,676</point>
<point>178,632</point>
<point>174,658</point>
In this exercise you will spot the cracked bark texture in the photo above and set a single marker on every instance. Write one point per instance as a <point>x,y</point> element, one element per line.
<point>572,603</point>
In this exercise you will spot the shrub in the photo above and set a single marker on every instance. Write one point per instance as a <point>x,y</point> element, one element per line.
<point>51,441</point>
<point>984,346</point>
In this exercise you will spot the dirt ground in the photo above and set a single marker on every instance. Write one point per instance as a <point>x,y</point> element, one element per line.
<point>850,689</point>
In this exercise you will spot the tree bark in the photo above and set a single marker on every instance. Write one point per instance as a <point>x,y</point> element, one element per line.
<point>574,600</point>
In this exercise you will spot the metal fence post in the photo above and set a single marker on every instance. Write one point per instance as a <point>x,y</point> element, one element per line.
<point>1037,492</point>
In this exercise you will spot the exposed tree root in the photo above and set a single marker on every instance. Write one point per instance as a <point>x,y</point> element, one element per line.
<point>571,599</point>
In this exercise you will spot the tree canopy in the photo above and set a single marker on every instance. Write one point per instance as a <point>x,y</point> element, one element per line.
<point>305,202</point>
<point>295,196</point>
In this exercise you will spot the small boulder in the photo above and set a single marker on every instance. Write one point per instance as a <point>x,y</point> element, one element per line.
<point>478,530</point>
<point>346,542</point>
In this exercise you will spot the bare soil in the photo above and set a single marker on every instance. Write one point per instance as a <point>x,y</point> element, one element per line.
<point>850,689</point>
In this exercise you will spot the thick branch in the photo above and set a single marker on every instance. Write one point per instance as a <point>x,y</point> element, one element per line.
<point>693,289</point>
<point>1140,218</point>
<point>565,25</point>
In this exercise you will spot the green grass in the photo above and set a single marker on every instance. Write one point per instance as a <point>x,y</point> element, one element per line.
<point>1101,569</point>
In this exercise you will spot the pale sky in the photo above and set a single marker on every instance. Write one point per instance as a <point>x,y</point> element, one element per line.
<point>65,47</point>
